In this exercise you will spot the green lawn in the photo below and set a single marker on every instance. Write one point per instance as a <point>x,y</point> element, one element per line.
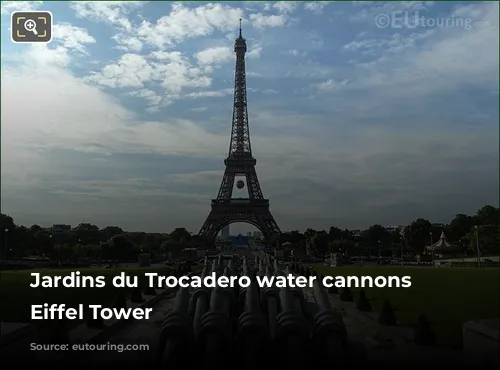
<point>16,295</point>
<point>447,296</point>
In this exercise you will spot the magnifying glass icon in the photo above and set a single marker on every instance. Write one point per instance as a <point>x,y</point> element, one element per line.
<point>30,26</point>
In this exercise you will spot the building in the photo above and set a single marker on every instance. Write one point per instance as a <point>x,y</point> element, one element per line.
<point>356,234</point>
<point>394,228</point>
<point>61,233</point>
<point>61,227</point>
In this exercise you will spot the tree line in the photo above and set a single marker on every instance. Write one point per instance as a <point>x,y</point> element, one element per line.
<point>89,241</point>
<point>411,239</point>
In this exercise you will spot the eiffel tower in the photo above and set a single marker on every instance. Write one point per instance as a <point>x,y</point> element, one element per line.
<point>240,162</point>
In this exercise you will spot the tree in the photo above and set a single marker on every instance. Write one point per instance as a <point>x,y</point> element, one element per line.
<point>321,242</point>
<point>417,235</point>
<point>171,246</point>
<point>300,247</point>
<point>374,237</point>
<point>180,233</point>
<point>35,228</point>
<point>487,215</point>
<point>196,241</point>
<point>137,238</point>
<point>489,240</point>
<point>109,231</point>
<point>44,243</point>
<point>119,247</point>
<point>335,246</point>
<point>275,239</point>
<point>294,237</point>
<point>22,240</point>
<point>64,252</point>
<point>87,233</point>
<point>6,222</point>
<point>337,234</point>
<point>459,226</point>
<point>345,246</point>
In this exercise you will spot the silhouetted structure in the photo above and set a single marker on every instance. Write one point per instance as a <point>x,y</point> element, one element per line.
<point>240,162</point>
<point>443,245</point>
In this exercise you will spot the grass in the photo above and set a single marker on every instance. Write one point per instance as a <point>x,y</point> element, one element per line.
<point>16,295</point>
<point>448,296</point>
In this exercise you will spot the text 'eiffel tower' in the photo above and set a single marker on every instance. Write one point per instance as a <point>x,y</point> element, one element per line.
<point>240,162</point>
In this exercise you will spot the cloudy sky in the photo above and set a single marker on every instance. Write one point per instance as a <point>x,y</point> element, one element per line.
<point>358,114</point>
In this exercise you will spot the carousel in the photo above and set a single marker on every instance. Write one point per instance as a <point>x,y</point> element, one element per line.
<point>442,248</point>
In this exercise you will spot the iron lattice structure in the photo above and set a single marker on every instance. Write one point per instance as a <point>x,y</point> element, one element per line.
<point>240,162</point>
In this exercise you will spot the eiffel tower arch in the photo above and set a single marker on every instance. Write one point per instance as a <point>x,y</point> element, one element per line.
<point>240,163</point>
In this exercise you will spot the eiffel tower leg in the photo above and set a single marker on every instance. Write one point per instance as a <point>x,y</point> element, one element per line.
<point>254,190</point>
<point>257,216</point>
<point>210,227</point>
<point>227,185</point>
<point>268,224</point>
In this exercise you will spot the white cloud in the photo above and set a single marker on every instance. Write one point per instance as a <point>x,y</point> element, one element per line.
<point>68,40</point>
<point>184,23</point>
<point>430,60</point>
<point>112,12</point>
<point>72,37</point>
<point>180,24</point>
<point>260,20</point>
<point>150,96</point>
<point>132,70</point>
<point>41,55</point>
<point>253,74</point>
<point>395,43</point>
<point>115,14</point>
<point>285,6</point>
<point>255,51</point>
<point>128,43</point>
<point>372,9</point>
<point>297,53</point>
<point>210,94</point>
<point>169,70</point>
<point>14,6</point>
<point>316,6</point>
<point>214,55</point>
<point>331,84</point>
<point>80,116</point>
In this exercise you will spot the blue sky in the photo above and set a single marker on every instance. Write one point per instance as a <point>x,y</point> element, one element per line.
<point>358,113</point>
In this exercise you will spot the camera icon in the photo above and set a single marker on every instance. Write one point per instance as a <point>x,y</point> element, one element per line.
<point>31,27</point>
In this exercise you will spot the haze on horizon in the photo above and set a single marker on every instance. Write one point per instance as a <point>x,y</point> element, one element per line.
<point>124,119</point>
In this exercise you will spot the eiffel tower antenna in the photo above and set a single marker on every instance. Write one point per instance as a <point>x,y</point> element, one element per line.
<point>240,162</point>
